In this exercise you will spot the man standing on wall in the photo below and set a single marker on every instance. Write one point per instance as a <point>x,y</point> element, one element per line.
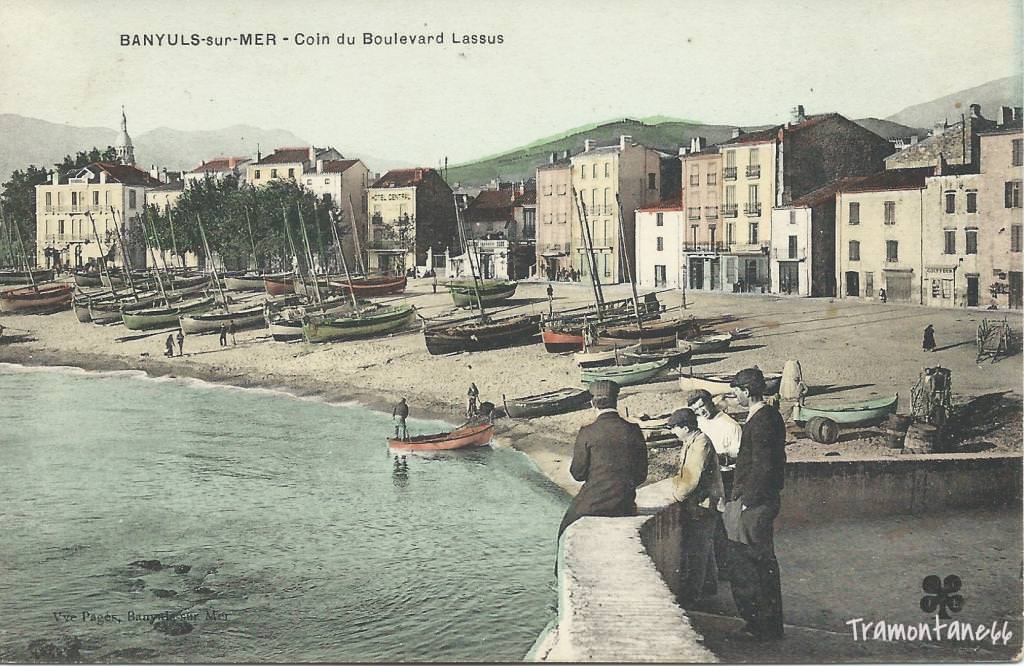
<point>750,513</point>
<point>610,457</point>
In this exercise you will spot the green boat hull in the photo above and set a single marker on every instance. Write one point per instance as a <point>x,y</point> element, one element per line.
<point>624,375</point>
<point>854,413</point>
<point>349,328</point>
<point>464,294</point>
<point>142,320</point>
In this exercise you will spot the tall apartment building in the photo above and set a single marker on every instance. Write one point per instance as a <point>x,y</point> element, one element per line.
<point>660,231</point>
<point>556,216</point>
<point>702,233</point>
<point>1000,225</point>
<point>411,215</point>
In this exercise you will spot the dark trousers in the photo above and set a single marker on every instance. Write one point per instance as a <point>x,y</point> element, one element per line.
<point>754,572</point>
<point>698,574</point>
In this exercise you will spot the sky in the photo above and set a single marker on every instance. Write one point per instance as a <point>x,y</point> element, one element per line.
<point>560,65</point>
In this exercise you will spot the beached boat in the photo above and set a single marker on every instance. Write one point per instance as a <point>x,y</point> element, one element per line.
<point>559,401</point>
<point>601,355</point>
<point>279,283</point>
<point>481,336</point>
<point>710,344</point>
<point>491,291</point>
<point>88,279</point>
<point>377,321</point>
<point>624,375</point>
<point>370,287</point>
<point>658,328</point>
<point>646,341</point>
<point>468,435</point>
<point>556,341</point>
<point>245,282</point>
<point>850,413</point>
<point>211,322</point>
<point>718,383</point>
<point>19,276</point>
<point>40,299</point>
<point>163,316</point>
<point>676,356</point>
<point>284,314</point>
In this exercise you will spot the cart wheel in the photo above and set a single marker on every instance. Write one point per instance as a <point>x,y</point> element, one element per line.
<point>823,430</point>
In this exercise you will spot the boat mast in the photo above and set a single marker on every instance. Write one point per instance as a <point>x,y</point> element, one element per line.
<point>156,270</point>
<point>591,261</point>
<point>309,255</point>
<point>341,256</point>
<point>24,255</point>
<point>103,255</point>
<point>174,243</point>
<point>5,234</point>
<point>124,253</point>
<point>355,235</point>
<point>464,237</point>
<point>295,253</point>
<point>625,257</point>
<point>159,247</point>
<point>213,266</point>
<point>252,240</point>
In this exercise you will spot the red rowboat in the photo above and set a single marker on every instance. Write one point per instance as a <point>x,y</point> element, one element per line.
<point>469,435</point>
<point>373,286</point>
<point>282,283</point>
<point>44,298</point>
<point>559,341</point>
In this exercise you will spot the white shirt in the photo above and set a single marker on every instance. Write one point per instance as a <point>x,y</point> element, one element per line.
<point>723,432</point>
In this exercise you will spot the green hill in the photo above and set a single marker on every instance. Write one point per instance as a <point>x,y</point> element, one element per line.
<point>522,162</point>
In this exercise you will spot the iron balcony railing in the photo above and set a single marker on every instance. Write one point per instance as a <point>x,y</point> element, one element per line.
<point>711,212</point>
<point>752,209</point>
<point>729,210</point>
<point>729,173</point>
<point>704,247</point>
<point>754,171</point>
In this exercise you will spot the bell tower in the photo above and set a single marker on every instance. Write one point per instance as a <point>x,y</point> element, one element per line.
<point>125,150</point>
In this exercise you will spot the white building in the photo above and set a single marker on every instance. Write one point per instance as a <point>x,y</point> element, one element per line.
<point>659,246</point>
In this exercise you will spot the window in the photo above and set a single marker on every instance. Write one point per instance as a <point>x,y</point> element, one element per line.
<point>730,195</point>
<point>660,243</point>
<point>1018,159</point>
<point>327,181</point>
<point>131,198</point>
<point>106,197</point>
<point>594,170</point>
<point>607,198</point>
<point>74,200</point>
<point>949,245</point>
<point>869,284</point>
<point>694,230</point>
<point>96,198</point>
<point>712,178</point>
<point>890,212</point>
<point>256,174</point>
<point>972,241</point>
<point>593,197</point>
<point>652,181</point>
<point>607,265</point>
<point>753,233</point>
<point>792,216</point>
<point>972,201</point>
<point>752,194</point>
<point>659,276</point>
<point>730,233</point>
<point>730,158</point>
<point>659,219</point>
<point>854,250</point>
<point>583,171</point>
<point>695,176</point>
<point>49,200</point>
<point>755,160</point>
<point>792,247</point>
<point>892,251</point>
<point>60,227</point>
<point>273,173</point>
<point>327,200</point>
<point>547,190</point>
<point>309,181</point>
<point>548,219</point>
<point>1015,230</point>
<point>607,169</point>
<point>950,202</point>
<point>1012,194</point>
<point>561,189</point>
<point>711,234</point>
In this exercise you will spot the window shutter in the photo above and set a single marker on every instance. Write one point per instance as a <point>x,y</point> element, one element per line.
<point>1008,195</point>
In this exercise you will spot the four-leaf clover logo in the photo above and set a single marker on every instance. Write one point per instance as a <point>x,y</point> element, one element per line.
<point>942,596</point>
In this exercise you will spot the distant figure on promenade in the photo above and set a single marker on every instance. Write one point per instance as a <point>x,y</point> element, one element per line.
<point>882,296</point>
<point>181,343</point>
<point>610,457</point>
<point>698,485</point>
<point>231,332</point>
<point>433,281</point>
<point>721,429</point>
<point>928,344</point>
<point>750,513</point>
<point>472,395</point>
<point>223,335</point>
<point>551,299</point>
<point>170,346</point>
<point>399,414</point>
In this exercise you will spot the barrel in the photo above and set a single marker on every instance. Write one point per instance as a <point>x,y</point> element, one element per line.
<point>895,428</point>
<point>921,438</point>
<point>823,430</point>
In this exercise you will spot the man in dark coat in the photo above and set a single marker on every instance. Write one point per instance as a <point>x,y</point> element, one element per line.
<point>400,413</point>
<point>610,457</point>
<point>751,511</point>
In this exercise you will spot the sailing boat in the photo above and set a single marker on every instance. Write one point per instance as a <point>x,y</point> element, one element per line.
<point>37,298</point>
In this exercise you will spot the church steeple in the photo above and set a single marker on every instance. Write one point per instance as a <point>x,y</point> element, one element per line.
<point>125,150</point>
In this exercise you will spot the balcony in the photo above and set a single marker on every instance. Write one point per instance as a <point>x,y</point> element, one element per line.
<point>716,247</point>
<point>752,209</point>
<point>754,171</point>
<point>711,212</point>
<point>80,208</point>
<point>729,173</point>
<point>599,209</point>
<point>729,210</point>
<point>388,245</point>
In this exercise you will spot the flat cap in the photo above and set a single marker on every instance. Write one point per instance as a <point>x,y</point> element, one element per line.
<point>682,417</point>
<point>696,395</point>
<point>604,388</point>
<point>748,378</point>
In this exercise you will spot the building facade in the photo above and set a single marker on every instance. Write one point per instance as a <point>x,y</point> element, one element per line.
<point>217,170</point>
<point>556,218</point>
<point>702,235</point>
<point>660,232</point>
<point>342,185</point>
<point>999,201</point>
<point>803,255</point>
<point>411,220</point>
<point>288,164</point>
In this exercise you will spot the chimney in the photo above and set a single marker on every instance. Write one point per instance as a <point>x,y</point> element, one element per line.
<point>736,132</point>
<point>913,139</point>
<point>976,111</point>
<point>798,114</point>
<point>54,177</point>
<point>623,140</point>
<point>551,158</point>
<point>259,157</point>
<point>682,151</point>
<point>1005,115</point>
<point>103,176</point>
<point>698,144</point>
<point>154,173</point>
<point>312,154</point>
<point>565,154</point>
<point>940,166</point>
<point>319,166</point>
<point>588,145</point>
<point>164,177</point>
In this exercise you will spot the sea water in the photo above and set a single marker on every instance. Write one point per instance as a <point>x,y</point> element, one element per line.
<point>304,539</point>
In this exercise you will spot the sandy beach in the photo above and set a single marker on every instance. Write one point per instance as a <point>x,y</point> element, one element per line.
<point>848,351</point>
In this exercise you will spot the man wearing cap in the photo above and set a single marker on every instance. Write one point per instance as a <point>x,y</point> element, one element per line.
<point>721,429</point>
<point>610,457</point>
<point>751,511</point>
<point>698,486</point>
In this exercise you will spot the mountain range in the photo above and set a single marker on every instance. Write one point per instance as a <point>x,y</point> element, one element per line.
<point>25,141</point>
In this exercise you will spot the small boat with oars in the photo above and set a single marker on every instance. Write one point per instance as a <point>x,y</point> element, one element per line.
<point>711,343</point>
<point>850,413</point>
<point>719,383</point>
<point>624,375</point>
<point>460,438</point>
<point>464,292</point>
<point>597,356</point>
<point>559,401</point>
<point>373,286</point>
<point>41,299</point>
<point>481,335</point>
<point>369,322</point>
<point>675,356</point>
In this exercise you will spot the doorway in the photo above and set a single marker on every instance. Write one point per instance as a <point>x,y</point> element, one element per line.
<point>696,273</point>
<point>852,283</point>
<point>1016,289</point>
<point>972,291</point>
<point>789,277</point>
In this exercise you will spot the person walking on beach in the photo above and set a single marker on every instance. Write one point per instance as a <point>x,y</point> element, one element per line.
<point>223,335</point>
<point>170,346</point>
<point>472,395</point>
<point>433,280</point>
<point>750,513</point>
<point>181,343</point>
<point>928,344</point>
<point>231,332</point>
<point>399,414</point>
<point>698,486</point>
<point>610,457</point>
<point>551,299</point>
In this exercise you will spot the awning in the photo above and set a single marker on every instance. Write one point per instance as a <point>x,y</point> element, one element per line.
<point>550,254</point>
